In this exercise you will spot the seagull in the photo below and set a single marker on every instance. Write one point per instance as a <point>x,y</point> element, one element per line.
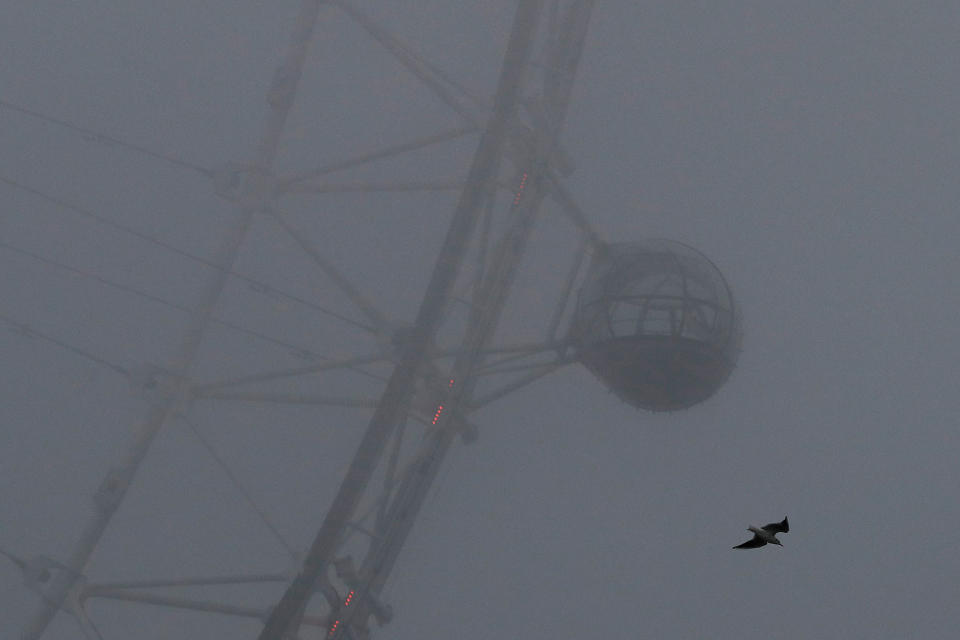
<point>765,534</point>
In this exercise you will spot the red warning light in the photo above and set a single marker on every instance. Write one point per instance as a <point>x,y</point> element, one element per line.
<point>523,184</point>
<point>333,628</point>
<point>451,383</point>
<point>436,416</point>
<point>346,602</point>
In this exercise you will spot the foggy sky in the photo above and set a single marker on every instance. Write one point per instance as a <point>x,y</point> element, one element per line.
<point>809,149</point>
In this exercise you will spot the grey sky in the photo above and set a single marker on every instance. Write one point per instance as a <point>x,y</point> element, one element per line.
<point>809,149</point>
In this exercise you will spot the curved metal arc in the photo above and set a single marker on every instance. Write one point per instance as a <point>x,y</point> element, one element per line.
<point>410,495</point>
<point>480,180</point>
<point>118,479</point>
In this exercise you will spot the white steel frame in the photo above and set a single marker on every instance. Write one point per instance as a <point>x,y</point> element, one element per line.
<point>433,385</point>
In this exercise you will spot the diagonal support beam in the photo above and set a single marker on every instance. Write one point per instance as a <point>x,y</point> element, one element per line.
<point>480,181</point>
<point>257,191</point>
<point>412,492</point>
<point>292,398</point>
<point>349,289</point>
<point>202,390</point>
<point>539,371</point>
<point>380,187</point>
<point>285,184</point>
<point>174,602</point>
<point>410,61</point>
<point>93,589</point>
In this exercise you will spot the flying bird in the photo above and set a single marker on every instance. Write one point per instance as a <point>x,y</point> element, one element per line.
<point>767,534</point>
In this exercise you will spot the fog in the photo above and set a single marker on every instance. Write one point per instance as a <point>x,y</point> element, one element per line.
<point>810,150</point>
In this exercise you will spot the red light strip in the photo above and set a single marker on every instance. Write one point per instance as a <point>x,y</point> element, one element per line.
<point>523,184</point>
<point>336,623</point>
<point>451,383</point>
<point>436,416</point>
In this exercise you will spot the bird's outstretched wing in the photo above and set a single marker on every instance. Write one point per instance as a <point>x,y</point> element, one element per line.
<point>777,527</point>
<point>756,541</point>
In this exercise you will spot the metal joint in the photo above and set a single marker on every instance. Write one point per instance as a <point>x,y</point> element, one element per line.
<point>46,577</point>
<point>245,185</point>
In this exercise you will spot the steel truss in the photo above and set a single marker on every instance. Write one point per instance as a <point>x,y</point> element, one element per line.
<point>437,386</point>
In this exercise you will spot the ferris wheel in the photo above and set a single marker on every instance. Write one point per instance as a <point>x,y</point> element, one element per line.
<point>289,332</point>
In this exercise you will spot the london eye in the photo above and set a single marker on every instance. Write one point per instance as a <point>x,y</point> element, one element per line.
<point>321,322</point>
